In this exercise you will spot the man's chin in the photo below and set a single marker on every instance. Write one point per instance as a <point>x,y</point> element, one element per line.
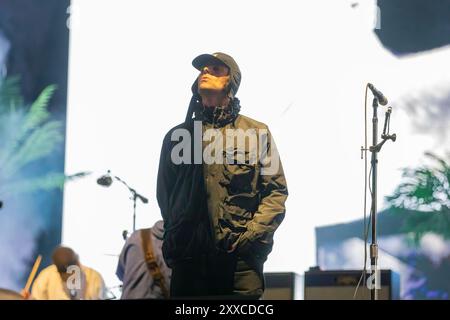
<point>208,90</point>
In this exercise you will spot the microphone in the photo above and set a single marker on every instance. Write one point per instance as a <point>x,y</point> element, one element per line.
<point>386,135</point>
<point>105,180</point>
<point>380,97</point>
<point>143,199</point>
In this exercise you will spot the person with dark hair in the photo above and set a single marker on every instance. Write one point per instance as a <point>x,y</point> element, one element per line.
<point>67,279</point>
<point>220,205</point>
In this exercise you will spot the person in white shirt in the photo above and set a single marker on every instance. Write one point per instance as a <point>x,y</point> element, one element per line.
<point>67,279</point>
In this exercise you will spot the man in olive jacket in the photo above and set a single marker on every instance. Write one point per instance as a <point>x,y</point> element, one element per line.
<point>221,189</point>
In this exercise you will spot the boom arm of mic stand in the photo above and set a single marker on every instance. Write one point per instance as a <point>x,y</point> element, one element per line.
<point>133,192</point>
<point>135,196</point>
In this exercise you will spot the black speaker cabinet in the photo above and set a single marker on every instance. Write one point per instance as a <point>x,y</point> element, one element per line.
<point>341,284</point>
<point>282,286</point>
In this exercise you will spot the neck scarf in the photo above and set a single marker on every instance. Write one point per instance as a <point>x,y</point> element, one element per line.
<point>218,116</point>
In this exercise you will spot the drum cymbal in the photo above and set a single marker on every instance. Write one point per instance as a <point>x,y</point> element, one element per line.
<point>6,294</point>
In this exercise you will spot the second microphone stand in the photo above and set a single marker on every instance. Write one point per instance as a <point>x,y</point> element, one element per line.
<point>374,149</point>
<point>134,196</point>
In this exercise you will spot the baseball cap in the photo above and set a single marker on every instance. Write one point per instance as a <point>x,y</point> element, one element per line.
<point>222,59</point>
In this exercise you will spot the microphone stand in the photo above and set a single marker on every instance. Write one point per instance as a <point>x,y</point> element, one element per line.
<point>134,196</point>
<point>374,149</point>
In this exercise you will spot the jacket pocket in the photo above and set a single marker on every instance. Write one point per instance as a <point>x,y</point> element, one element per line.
<point>238,214</point>
<point>239,173</point>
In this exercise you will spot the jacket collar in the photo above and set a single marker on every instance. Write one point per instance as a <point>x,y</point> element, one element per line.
<point>218,116</point>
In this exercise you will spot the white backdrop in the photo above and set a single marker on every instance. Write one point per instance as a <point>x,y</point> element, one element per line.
<point>304,67</point>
